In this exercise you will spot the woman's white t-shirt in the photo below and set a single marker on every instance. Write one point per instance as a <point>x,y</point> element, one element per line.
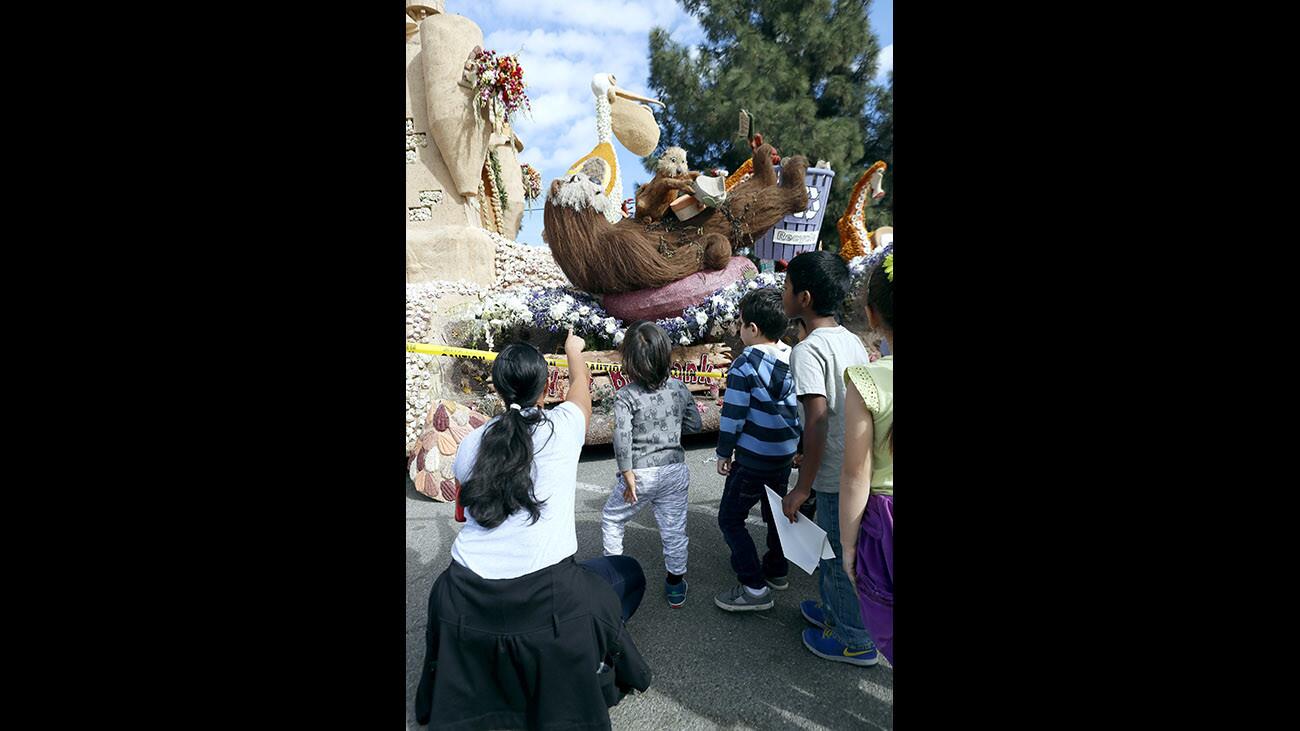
<point>518,546</point>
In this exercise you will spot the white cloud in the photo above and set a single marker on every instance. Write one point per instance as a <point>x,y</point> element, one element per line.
<point>553,109</point>
<point>566,60</point>
<point>628,16</point>
<point>567,42</point>
<point>886,61</point>
<point>566,147</point>
<point>543,73</point>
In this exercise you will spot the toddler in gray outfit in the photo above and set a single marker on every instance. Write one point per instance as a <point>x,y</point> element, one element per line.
<point>649,416</point>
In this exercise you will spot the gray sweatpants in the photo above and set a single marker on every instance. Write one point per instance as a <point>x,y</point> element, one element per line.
<point>663,488</point>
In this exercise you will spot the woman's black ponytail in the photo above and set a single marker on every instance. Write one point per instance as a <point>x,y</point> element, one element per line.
<point>502,480</point>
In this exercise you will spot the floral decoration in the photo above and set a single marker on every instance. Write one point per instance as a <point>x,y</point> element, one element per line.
<point>498,84</point>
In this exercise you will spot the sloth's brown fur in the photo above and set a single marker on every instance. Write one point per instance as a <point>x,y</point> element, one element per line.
<point>600,257</point>
<point>653,198</point>
<point>760,202</point>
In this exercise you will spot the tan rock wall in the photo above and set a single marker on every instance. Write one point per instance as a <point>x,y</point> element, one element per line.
<point>455,123</point>
<point>431,191</point>
<point>449,253</point>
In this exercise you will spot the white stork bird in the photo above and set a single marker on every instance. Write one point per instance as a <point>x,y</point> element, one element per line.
<point>601,164</point>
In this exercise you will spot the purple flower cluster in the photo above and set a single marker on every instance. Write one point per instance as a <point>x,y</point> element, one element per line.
<point>714,317</point>
<point>563,308</point>
<point>861,266</point>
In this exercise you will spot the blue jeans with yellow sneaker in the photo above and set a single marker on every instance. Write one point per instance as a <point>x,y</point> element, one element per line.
<point>838,597</point>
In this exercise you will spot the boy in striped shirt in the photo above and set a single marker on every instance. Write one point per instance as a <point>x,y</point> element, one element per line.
<point>760,427</point>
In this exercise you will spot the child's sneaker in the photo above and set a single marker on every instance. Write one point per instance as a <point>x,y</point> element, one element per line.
<point>737,599</point>
<point>780,583</point>
<point>826,647</point>
<point>676,593</point>
<point>813,612</point>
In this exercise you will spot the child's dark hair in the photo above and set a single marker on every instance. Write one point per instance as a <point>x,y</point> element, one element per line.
<point>823,275</point>
<point>645,352</point>
<point>763,308</point>
<point>502,480</point>
<point>880,295</point>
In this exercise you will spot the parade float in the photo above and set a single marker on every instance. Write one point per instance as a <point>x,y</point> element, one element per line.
<point>682,253</point>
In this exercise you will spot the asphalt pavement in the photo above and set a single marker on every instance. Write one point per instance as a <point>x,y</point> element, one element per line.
<point>712,669</point>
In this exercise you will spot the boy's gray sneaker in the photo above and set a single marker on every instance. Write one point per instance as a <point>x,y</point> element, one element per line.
<point>780,583</point>
<point>736,599</point>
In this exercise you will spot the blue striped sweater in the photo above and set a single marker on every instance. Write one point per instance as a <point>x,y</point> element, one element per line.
<point>760,413</point>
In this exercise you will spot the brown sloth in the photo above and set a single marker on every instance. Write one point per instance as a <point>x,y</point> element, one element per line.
<point>604,258</point>
<point>672,179</point>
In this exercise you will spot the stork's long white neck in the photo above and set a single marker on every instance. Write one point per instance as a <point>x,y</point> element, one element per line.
<point>605,132</point>
<point>602,86</point>
<point>604,125</point>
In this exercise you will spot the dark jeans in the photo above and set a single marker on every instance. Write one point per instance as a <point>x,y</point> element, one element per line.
<point>744,488</point>
<point>624,574</point>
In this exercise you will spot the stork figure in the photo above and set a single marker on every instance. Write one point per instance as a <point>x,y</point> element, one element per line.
<point>633,126</point>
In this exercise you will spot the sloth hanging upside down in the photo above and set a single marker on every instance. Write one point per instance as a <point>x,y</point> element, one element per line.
<point>604,258</point>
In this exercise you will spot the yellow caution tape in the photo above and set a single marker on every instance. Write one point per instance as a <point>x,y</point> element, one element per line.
<point>555,360</point>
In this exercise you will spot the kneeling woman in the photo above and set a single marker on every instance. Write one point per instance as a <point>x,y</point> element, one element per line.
<point>520,634</point>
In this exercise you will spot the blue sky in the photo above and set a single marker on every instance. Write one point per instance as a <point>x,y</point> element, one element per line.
<point>563,43</point>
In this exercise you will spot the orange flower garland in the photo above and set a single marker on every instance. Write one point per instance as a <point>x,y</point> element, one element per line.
<point>745,169</point>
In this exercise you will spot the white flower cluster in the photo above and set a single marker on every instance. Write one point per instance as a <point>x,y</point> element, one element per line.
<point>862,265</point>
<point>427,292</point>
<point>520,265</point>
<point>858,266</point>
<point>859,269</point>
<point>549,308</point>
<point>500,312</point>
<point>504,308</point>
<point>723,308</point>
<point>604,119</point>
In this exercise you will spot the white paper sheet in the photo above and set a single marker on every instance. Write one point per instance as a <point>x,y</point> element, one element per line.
<point>803,541</point>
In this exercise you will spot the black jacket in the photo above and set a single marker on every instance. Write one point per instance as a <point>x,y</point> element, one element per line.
<point>545,650</point>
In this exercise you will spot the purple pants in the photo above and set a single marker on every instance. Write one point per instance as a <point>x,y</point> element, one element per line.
<point>875,572</point>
